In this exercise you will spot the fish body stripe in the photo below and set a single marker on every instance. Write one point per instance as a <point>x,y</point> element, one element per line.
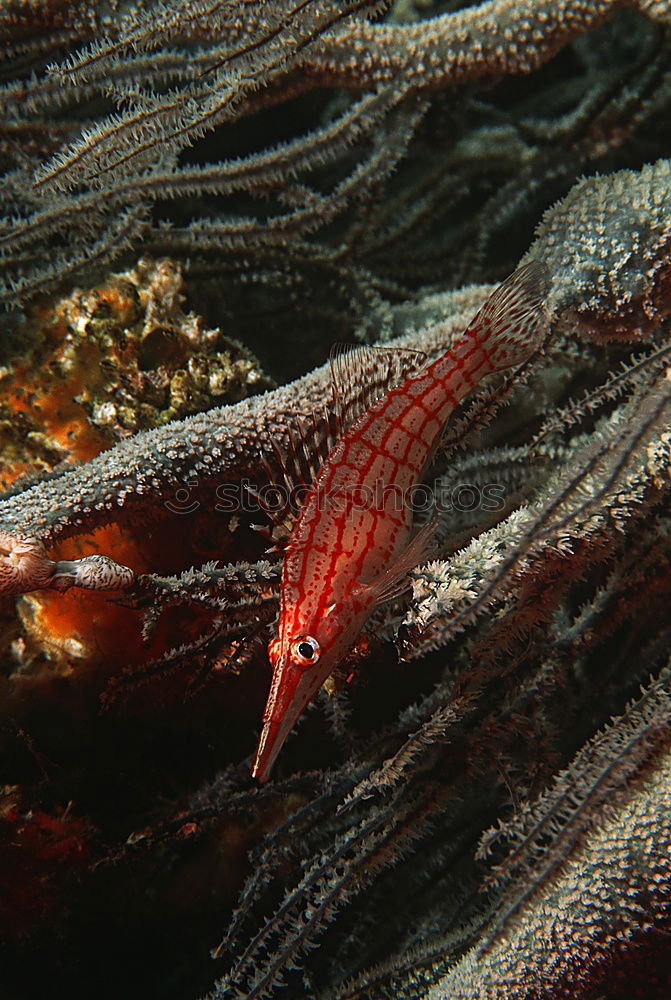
<point>364,460</point>
<point>350,545</point>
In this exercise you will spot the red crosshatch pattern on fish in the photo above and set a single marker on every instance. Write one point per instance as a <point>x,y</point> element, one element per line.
<point>343,557</point>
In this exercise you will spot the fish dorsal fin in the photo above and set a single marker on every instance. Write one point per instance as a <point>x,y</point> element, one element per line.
<point>360,376</point>
<point>291,469</point>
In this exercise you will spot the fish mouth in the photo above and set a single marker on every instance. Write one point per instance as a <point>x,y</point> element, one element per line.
<point>291,690</point>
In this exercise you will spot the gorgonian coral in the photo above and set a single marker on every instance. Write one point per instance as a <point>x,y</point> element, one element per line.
<point>480,805</point>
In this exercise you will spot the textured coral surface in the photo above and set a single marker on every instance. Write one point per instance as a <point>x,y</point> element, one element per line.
<point>198,200</point>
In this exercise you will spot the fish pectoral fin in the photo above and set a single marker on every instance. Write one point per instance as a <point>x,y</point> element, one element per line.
<point>394,581</point>
<point>361,375</point>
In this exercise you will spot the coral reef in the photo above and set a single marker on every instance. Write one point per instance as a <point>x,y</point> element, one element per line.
<point>479,805</point>
<point>110,360</point>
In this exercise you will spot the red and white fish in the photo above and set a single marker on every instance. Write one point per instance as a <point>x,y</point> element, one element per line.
<point>351,547</point>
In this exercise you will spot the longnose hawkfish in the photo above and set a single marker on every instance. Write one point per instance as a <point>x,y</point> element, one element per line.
<point>352,547</point>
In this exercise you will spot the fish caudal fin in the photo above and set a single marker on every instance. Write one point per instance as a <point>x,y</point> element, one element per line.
<point>512,323</point>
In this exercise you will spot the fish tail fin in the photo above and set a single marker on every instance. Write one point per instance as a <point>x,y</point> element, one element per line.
<point>512,323</point>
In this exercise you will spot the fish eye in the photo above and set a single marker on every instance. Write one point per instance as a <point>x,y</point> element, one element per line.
<point>305,650</point>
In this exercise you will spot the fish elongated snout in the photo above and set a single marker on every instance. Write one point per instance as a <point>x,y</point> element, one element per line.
<point>270,743</point>
<point>291,690</point>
